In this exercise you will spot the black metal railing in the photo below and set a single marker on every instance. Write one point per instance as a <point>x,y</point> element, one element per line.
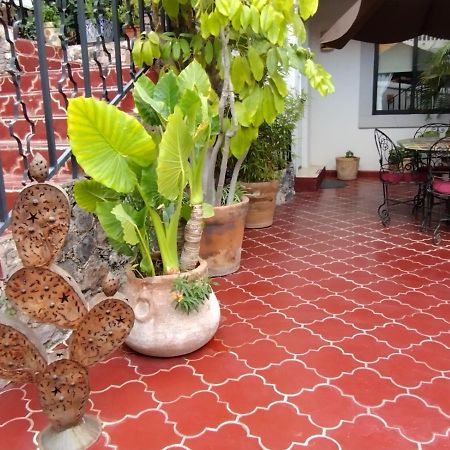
<point>105,54</point>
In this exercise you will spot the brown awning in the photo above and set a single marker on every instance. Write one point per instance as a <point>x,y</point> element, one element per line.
<point>388,21</point>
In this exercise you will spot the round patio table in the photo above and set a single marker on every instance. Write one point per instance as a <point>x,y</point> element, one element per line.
<point>420,144</point>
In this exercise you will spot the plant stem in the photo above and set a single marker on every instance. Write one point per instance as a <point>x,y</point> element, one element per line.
<point>234,178</point>
<point>192,236</point>
<point>228,96</point>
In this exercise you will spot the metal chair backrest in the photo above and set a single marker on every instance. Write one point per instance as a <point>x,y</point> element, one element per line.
<point>432,130</point>
<point>438,159</point>
<point>390,155</point>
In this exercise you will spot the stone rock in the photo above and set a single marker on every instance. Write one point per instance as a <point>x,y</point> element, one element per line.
<point>286,190</point>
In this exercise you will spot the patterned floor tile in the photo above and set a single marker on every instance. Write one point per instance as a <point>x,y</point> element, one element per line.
<point>267,424</point>
<point>370,433</point>
<point>335,331</point>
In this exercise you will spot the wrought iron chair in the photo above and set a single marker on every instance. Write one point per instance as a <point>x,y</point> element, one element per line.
<point>432,130</point>
<point>438,186</point>
<point>398,166</point>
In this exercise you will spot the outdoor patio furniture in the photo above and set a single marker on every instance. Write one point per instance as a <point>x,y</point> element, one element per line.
<point>436,130</point>
<point>438,186</point>
<point>398,166</point>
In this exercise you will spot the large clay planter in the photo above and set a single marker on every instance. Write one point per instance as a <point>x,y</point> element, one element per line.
<point>262,203</point>
<point>347,168</point>
<point>160,329</point>
<point>221,243</point>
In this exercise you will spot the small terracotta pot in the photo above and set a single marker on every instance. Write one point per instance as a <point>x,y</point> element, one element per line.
<point>160,329</point>
<point>262,203</point>
<point>347,168</point>
<point>221,243</point>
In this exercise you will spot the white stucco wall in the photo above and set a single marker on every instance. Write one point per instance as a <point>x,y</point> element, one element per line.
<point>342,121</point>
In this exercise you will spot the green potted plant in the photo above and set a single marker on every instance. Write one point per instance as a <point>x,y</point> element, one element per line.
<point>347,166</point>
<point>266,161</point>
<point>138,184</point>
<point>245,49</point>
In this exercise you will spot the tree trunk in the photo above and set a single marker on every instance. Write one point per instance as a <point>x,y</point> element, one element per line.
<point>192,236</point>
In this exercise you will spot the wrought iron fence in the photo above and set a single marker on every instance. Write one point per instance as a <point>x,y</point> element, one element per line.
<point>92,40</point>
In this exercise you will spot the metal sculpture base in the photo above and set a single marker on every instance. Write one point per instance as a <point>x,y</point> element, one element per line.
<point>79,437</point>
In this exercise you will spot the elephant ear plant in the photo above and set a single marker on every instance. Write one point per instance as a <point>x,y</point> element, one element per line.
<point>138,178</point>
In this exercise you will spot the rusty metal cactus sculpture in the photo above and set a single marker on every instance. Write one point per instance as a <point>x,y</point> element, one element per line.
<point>40,223</point>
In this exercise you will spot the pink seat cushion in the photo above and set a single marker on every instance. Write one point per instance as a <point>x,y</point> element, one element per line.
<point>403,177</point>
<point>441,186</point>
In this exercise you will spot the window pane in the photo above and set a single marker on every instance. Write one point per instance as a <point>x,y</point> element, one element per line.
<point>413,76</point>
<point>395,76</point>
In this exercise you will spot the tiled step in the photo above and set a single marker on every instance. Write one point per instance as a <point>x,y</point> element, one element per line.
<point>28,56</point>
<point>22,128</point>
<point>31,81</point>
<point>34,103</point>
<point>12,162</point>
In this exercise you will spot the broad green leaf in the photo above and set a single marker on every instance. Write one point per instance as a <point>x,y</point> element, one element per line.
<point>204,25</point>
<point>191,106</point>
<point>194,77</point>
<point>209,52</point>
<point>166,50</point>
<point>277,30</point>
<point>246,17</point>
<point>308,8</point>
<point>136,53</point>
<point>236,20</point>
<point>104,140</point>
<point>171,7</point>
<point>266,18</point>
<point>176,49</point>
<point>235,8</point>
<point>214,24</point>
<point>174,149</point>
<point>185,48</point>
<point>280,84</point>
<point>299,28</point>
<point>268,105</point>
<point>196,43</point>
<point>272,61</point>
<point>282,54</point>
<point>283,5</point>
<point>88,193</point>
<point>143,89</point>
<point>278,100</point>
<point>148,187</point>
<point>239,74</point>
<point>223,6</point>
<point>128,220</point>
<point>167,92</point>
<point>243,114</point>
<point>146,102</point>
<point>153,37</point>
<point>254,19</point>
<point>108,221</point>
<point>241,141</point>
<point>256,63</point>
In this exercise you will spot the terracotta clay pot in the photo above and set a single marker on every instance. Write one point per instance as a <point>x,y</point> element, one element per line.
<point>347,168</point>
<point>160,329</point>
<point>221,243</point>
<point>262,203</point>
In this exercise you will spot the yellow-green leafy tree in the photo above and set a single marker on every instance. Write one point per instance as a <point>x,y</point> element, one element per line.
<point>246,46</point>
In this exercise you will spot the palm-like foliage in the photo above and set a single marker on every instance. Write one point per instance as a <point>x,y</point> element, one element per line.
<point>435,81</point>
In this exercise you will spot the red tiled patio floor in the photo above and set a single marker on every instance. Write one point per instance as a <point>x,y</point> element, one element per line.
<point>335,335</point>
